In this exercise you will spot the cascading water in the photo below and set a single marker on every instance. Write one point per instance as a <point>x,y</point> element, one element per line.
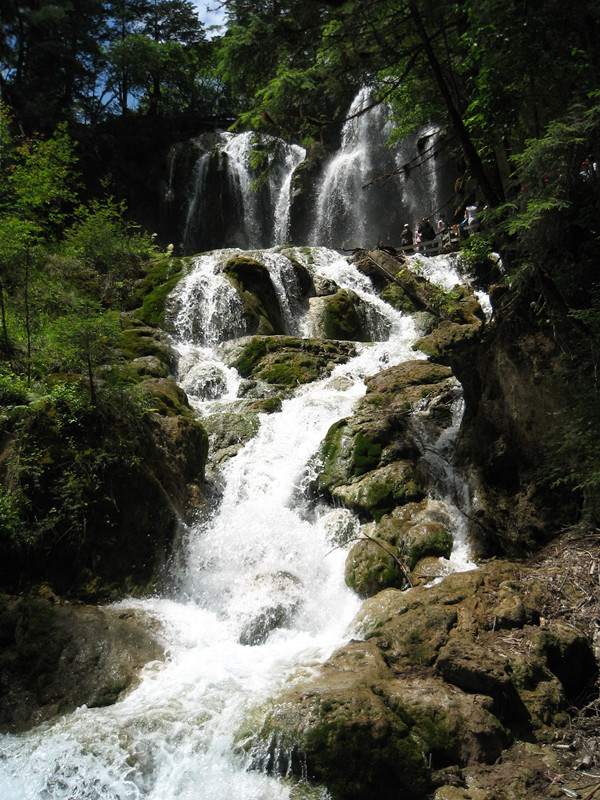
<point>224,209</point>
<point>350,205</point>
<point>367,191</point>
<point>260,596</point>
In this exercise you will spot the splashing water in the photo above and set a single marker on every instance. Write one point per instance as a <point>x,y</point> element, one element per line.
<point>261,596</point>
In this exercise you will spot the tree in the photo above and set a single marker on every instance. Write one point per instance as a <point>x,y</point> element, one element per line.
<point>163,47</point>
<point>51,55</point>
<point>36,196</point>
<point>470,67</point>
<point>82,340</point>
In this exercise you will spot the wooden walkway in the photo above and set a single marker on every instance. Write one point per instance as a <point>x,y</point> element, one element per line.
<point>448,242</point>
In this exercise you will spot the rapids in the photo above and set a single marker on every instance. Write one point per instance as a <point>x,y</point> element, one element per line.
<point>265,553</point>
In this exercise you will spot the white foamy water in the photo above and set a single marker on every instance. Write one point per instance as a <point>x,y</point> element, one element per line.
<point>261,596</point>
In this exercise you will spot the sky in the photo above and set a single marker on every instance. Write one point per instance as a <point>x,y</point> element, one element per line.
<point>209,13</point>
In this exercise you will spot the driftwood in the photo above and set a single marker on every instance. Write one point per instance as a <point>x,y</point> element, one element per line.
<point>383,263</point>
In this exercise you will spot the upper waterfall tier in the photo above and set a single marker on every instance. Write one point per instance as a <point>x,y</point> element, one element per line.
<point>345,197</point>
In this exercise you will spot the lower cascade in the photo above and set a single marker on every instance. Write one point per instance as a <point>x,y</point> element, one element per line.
<point>257,596</point>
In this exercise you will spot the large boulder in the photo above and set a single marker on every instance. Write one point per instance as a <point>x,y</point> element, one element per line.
<point>56,656</point>
<point>372,461</point>
<point>101,490</point>
<point>285,360</point>
<point>391,548</point>
<point>514,384</point>
<point>441,679</point>
<point>337,315</point>
<point>251,279</point>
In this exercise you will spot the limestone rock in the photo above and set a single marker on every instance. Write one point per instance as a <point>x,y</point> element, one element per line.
<point>285,360</point>
<point>371,462</point>
<point>56,657</point>
<point>410,532</point>
<point>446,675</point>
<point>252,280</point>
<point>337,316</point>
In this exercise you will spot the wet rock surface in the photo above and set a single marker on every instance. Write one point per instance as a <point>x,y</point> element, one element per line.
<point>487,674</point>
<point>57,656</point>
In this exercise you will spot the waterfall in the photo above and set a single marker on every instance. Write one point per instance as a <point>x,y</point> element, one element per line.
<point>368,191</point>
<point>364,192</point>
<point>260,597</point>
<point>225,209</point>
<point>347,214</point>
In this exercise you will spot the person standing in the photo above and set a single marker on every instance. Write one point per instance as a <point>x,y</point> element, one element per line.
<point>406,237</point>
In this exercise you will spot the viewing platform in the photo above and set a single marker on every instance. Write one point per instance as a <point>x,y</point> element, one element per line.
<point>447,242</point>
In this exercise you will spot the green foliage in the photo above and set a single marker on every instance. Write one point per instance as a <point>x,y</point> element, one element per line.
<point>82,340</point>
<point>476,255</point>
<point>13,390</point>
<point>58,467</point>
<point>102,238</point>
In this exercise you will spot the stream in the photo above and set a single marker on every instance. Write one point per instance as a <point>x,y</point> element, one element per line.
<point>257,596</point>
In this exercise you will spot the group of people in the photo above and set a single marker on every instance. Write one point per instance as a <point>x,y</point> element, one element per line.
<point>425,232</point>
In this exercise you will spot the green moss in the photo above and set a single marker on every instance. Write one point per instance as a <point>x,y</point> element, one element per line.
<point>437,736</point>
<point>267,406</point>
<point>341,319</point>
<point>397,298</point>
<point>332,453</point>
<point>167,397</point>
<point>354,763</point>
<point>159,279</point>
<point>289,370</point>
<point>437,544</point>
<point>369,570</point>
<point>366,454</point>
<point>137,341</point>
<point>153,306</point>
<point>252,352</point>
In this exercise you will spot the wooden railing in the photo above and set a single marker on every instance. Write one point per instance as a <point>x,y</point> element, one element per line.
<point>447,242</point>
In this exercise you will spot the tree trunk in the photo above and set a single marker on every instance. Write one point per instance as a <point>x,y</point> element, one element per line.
<point>27,319</point>
<point>491,196</point>
<point>91,378</point>
<point>3,314</point>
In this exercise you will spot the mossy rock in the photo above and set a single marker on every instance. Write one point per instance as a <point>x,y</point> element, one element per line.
<point>366,454</point>
<point>285,360</point>
<point>57,657</point>
<point>430,539</point>
<point>105,488</point>
<point>407,535</point>
<point>228,432</point>
<point>448,338</point>
<point>370,569</point>
<point>415,637</point>
<point>343,735</point>
<point>166,396</point>
<point>149,366</point>
<point>336,456</point>
<point>381,490</point>
<point>140,341</point>
<point>288,369</point>
<point>398,298</point>
<point>266,405</point>
<point>450,726</point>
<point>159,279</point>
<point>340,318</point>
<point>252,281</point>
